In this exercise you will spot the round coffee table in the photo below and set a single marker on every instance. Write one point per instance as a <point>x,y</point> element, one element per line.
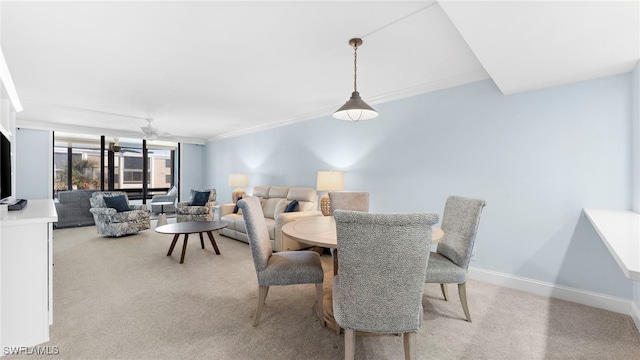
<point>191,227</point>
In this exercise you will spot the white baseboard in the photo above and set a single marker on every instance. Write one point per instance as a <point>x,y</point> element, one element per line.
<point>635,314</point>
<point>601,301</point>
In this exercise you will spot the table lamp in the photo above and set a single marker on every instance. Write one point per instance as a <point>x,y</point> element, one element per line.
<point>329,181</point>
<point>238,180</point>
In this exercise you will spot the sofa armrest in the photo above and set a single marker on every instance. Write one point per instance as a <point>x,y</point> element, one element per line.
<point>283,242</point>
<point>138,207</point>
<point>103,211</point>
<point>226,209</point>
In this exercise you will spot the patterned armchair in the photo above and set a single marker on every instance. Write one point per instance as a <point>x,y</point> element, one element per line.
<point>113,223</point>
<point>188,212</point>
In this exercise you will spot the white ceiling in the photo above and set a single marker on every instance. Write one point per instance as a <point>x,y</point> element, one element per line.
<point>212,69</point>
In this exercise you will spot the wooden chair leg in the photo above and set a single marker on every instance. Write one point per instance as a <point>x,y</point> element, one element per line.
<point>462,291</point>
<point>445,292</point>
<point>262,295</point>
<point>320,301</point>
<point>349,344</point>
<point>410,349</point>
<point>334,253</point>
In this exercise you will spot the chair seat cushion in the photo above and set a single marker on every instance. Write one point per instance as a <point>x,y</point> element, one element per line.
<point>442,270</point>
<point>292,267</point>
<point>193,210</point>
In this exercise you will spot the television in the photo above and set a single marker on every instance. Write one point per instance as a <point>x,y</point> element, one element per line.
<point>5,168</point>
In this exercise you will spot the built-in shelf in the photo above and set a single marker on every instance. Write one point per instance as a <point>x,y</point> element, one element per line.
<point>620,231</point>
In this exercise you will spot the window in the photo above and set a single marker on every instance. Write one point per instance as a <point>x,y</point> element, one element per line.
<point>122,170</point>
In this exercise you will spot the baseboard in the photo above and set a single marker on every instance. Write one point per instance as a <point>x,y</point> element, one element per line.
<point>635,314</point>
<point>601,301</point>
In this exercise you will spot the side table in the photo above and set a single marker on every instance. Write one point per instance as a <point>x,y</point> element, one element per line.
<point>162,217</point>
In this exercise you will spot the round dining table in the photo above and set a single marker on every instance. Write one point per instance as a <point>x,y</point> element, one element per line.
<point>321,231</point>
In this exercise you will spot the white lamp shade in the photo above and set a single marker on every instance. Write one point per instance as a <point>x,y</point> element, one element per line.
<point>238,180</point>
<point>330,180</point>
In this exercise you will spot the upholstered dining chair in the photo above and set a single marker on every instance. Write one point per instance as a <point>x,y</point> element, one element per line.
<point>450,262</point>
<point>281,268</point>
<point>349,200</point>
<point>383,259</point>
<point>346,200</point>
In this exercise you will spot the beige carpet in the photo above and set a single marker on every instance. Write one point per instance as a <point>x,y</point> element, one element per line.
<point>125,299</point>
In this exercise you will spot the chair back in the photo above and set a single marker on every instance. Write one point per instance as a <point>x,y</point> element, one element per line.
<point>257,231</point>
<point>383,261</point>
<point>349,200</point>
<point>460,225</point>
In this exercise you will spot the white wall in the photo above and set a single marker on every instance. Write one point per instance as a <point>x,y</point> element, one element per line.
<point>537,158</point>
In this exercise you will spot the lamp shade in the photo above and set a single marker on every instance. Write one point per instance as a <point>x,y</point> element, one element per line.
<point>238,180</point>
<point>355,109</point>
<point>330,180</point>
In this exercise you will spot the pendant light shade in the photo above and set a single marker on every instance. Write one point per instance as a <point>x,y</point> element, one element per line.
<point>355,109</point>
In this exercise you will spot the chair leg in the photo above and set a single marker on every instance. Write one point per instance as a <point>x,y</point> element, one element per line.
<point>320,301</point>
<point>334,253</point>
<point>349,344</point>
<point>410,349</point>
<point>262,295</point>
<point>445,292</point>
<point>462,290</point>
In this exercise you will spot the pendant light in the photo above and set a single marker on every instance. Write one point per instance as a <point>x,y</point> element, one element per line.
<point>355,109</point>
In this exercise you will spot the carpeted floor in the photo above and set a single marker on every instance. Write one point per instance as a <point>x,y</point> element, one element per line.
<point>125,299</point>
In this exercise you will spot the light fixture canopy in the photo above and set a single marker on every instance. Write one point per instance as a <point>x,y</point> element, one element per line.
<point>355,109</point>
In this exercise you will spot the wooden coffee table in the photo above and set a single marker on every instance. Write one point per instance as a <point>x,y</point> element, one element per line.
<point>191,227</point>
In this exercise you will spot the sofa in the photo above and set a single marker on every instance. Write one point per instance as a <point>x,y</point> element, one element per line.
<point>274,200</point>
<point>73,209</point>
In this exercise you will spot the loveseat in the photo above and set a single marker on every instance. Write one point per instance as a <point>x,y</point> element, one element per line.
<point>274,200</point>
<point>73,208</point>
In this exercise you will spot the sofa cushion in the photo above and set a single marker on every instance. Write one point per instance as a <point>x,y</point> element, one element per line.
<point>302,194</point>
<point>273,206</point>
<point>278,191</point>
<point>261,191</point>
<point>117,202</point>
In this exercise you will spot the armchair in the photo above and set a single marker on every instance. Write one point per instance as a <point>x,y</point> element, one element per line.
<point>171,196</point>
<point>111,222</point>
<point>188,212</point>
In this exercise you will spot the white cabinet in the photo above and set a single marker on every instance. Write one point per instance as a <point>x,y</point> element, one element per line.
<point>26,307</point>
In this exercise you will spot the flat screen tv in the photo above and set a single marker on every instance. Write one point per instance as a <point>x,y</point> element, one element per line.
<point>5,168</point>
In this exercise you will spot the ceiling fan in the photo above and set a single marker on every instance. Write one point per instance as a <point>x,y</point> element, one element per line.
<point>152,133</point>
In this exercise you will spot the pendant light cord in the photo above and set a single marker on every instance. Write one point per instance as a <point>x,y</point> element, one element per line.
<point>355,67</point>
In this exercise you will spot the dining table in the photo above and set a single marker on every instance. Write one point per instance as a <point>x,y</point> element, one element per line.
<point>321,231</point>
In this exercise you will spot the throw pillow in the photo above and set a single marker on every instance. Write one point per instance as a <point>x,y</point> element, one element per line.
<point>235,209</point>
<point>200,198</point>
<point>292,207</point>
<point>117,202</point>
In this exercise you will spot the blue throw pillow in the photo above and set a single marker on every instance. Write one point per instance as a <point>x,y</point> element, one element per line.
<point>117,202</point>
<point>235,209</point>
<point>200,198</point>
<point>292,207</point>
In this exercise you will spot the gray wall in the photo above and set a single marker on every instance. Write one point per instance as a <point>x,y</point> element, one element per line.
<point>33,162</point>
<point>537,158</point>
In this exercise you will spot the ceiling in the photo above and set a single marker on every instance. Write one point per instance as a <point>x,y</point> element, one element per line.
<point>212,69</point>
